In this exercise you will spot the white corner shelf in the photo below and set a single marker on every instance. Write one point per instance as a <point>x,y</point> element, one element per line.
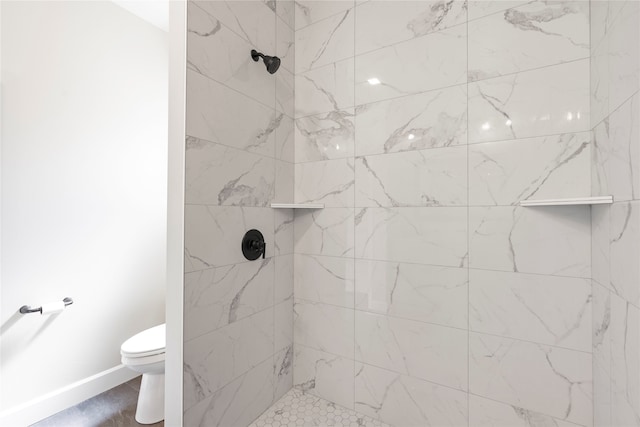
<point>297,205</point>
<point>599,200</point>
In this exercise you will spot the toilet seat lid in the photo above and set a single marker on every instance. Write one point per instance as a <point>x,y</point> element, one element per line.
<point>146,343</point>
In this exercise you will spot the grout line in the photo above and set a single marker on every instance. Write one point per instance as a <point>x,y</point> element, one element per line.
<point>383,368</point>
<point>242,94</point>
<point>528,70</point>
<point>462,329</point>
<point>440,266</point>
<point>451,146</point>
<point>353,209</point>
<point>401,208</point>
<point>273,244</point>
<point>514,407</point>
<point>326,18</point>
<point>468,243</point>
<point>228,383</point>
<point>242,319</point>
<point>231,147</point>
<point>356,105</point>
<point>592,154</point>
<point>617,109</point>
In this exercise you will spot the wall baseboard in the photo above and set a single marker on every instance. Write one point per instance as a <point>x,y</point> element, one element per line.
<point>65,397</point>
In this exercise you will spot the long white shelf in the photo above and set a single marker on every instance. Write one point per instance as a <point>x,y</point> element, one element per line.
<point>599,200</point>
<point>297,205</point>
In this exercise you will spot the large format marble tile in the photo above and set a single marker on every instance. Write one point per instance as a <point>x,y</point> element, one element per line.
<point>430,62</point>
<point>330,182</point>
<point>324,327</point>
<point>208,40</point>
<point>285,140</point>
<point>285,43</point>
<point>489,413</point>
<point>530,36</point>
<point>548,380</point>
<point>421,350</point>
<point>401,400</point>
<point>324,137</point>
<point>544,309</point>
<point>545,240</point>
<point>325,42</point>
<point>220,175</point>
<point>426,120</point>
<point>285,96</point>
<point>625,364</point>
<point>616,8</point>
<point>418,292</point>
<point>324,89</point>
<point>309,11</point>
<point>622,161</point>
<point>239,121</point>
<point>383,23</point>
<point>324,375</point>
<point>601,355</point>
<point>480,8</point>
<point>283,231</point>
<point>238,403</point>
<point>435,177</point>
<point>283,326</point>
<point>329,280</point>
<point>435,236</point>
<point>253,20</point>
<point>283,287</point>
<point>624,53</point>
<point>213,234</point>
<point>284,177</point>
<point>600,159</point>
<point>600,245</point>
<point>213,360</point>
<point>599,77</point>
<point>599,23</point>
<point>546,101</point>
<point>328,231</point>
<point>282,372</point>
<point>285,9</point>
<point>219,296</point>
<point>507,172</point>
<point>625,250</point>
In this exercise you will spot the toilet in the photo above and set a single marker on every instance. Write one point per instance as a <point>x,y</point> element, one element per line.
<point>144,353</point>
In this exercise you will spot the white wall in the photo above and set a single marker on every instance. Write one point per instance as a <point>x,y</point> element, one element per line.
<point>84,143</point>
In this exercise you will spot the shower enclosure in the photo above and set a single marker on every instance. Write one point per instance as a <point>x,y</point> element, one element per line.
<point>423,291</point>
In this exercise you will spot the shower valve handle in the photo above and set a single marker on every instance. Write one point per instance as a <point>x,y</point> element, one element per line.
<point>258,246</point>
<point>253,245</point>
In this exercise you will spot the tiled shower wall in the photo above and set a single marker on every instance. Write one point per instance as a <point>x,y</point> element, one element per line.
<point>239,158</point>
<point>615,80</point>
<point>423,294</point>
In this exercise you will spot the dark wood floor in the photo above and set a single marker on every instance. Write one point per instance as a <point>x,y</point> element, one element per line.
<point>113,408</point>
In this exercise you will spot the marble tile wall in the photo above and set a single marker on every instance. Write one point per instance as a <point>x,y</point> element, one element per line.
<point>238,314</point>
<point>424,295</point>
<point>615,122</point>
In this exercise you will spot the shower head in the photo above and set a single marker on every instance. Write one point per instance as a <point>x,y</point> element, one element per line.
<point>271,62</point>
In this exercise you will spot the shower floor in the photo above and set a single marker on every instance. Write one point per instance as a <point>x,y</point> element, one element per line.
<point>297,408</point>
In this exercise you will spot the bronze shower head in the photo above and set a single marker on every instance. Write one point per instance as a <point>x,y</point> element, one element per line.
<point>271,62</point>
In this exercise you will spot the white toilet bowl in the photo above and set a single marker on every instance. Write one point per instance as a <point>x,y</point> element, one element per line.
<point>144,353</point>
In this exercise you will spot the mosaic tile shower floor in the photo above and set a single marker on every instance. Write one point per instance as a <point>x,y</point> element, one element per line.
<point>299,409</point>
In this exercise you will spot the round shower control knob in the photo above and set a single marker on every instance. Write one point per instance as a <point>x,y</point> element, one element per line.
<point>253,245</point>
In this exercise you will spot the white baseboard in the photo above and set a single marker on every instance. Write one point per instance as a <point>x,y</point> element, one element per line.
<point>51,403</point>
